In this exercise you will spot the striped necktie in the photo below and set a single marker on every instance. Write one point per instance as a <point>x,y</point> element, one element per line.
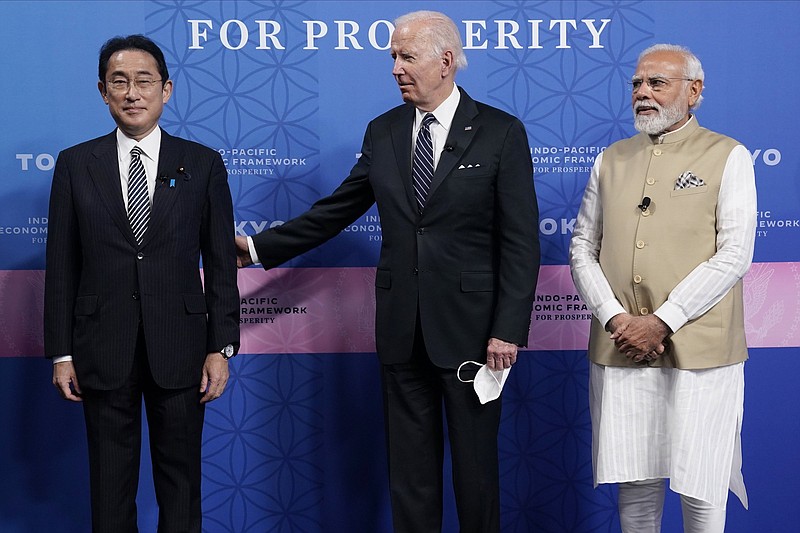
<point>422,168</point>
<point>138,198</point>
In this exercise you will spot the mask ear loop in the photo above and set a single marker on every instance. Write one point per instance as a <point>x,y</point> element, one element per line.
<point>458,372</point>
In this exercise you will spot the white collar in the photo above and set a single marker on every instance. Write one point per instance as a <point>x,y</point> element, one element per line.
<point>150,145</point>
<point>444,113</point>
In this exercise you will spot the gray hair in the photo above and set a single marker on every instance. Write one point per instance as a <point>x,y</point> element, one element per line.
<point>440,32</point>
<point>692,68</point>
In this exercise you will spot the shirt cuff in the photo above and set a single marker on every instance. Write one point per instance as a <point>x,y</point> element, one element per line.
<point>672,316</point>
<point>252,248</point>
<point>62,359</point>
<point>609,310</point>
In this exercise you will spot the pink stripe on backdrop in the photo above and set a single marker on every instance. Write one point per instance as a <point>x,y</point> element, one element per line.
<point>21,309</point>
<point>331,310</point>
<point>307,310</point>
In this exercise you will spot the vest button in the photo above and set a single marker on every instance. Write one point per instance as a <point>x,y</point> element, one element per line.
<point>637,278</point>
<point>657,152</point>
<point>644,311</point>
<point>640,244</point>
<point>651,181</point>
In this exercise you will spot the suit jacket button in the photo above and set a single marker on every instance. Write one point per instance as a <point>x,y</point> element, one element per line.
<point>415,271</point>
<point>420,231</point>
<point>135,295</point>
<point>140,255</point>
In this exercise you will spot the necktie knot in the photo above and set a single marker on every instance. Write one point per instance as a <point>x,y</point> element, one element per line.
<point>427,120</point>
<point>136,152</point>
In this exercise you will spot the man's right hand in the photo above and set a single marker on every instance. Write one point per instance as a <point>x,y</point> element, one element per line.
<point>243,258</point>
<point>639,338</point>
<point>66,382</point>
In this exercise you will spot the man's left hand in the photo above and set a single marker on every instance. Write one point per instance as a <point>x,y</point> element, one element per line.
<point>215,377</point>
<point>500,354</point>
<point>642,336</point>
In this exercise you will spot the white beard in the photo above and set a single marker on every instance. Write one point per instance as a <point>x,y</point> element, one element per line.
<point>655,124</point>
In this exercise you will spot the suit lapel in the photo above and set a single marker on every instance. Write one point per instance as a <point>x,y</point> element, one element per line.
<point>104,173</point>
<point>462,131</point>
<point>170,160</point>
<point>401,139</point>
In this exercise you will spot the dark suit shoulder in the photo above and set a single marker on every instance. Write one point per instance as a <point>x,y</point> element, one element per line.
<point>467,105</point>
<point>483,111</point>
<point>401,112</point>
<point>171,142</point>
<point>493,113</point>
<point>91,144</point>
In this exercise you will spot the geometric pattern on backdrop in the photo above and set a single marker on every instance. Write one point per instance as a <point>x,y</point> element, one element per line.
<point>569,99</point>
<point>247,98</point>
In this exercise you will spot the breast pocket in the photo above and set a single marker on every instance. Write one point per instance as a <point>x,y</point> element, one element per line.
<point>690,191</point>
<point>470,190</point>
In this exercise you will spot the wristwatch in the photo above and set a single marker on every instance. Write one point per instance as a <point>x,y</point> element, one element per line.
<point>227,352</point>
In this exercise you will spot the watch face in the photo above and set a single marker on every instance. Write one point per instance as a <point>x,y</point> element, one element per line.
<point>227,352</point>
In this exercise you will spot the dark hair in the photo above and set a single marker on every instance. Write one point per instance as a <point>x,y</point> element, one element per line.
<point>131,42</point>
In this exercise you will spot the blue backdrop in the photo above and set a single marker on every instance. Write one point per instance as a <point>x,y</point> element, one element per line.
<point>284,90</point>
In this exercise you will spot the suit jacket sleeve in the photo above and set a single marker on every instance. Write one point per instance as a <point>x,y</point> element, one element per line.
<point>63,264</point>
<point>219,261</point>
<point>324,220</point>
<point>518,234</point>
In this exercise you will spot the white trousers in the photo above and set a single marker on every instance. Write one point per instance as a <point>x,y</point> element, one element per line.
<point>641,505</point>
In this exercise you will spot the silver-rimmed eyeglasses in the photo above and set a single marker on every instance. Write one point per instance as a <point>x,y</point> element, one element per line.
<point>121,85</point>
<point>656,83</point>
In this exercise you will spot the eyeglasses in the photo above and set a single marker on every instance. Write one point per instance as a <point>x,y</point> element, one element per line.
<point>121,85</point>
<point>656,84</point>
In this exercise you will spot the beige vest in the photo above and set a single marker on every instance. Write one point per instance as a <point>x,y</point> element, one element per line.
<point>644,255</point>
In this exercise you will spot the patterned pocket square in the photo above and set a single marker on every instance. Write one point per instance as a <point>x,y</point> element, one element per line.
<point>687,180</point>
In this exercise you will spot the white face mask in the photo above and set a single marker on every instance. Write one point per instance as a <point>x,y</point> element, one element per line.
<point>488,384</point>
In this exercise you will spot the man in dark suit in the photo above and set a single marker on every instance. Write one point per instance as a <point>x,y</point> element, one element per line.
<point>126,313</point>
<point>457,271</point>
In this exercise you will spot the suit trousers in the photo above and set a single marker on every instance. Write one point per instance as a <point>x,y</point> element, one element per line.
<point>414,394</point>
<point>114,429</point>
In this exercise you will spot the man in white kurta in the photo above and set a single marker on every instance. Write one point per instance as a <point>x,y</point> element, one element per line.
<point>663,238</point>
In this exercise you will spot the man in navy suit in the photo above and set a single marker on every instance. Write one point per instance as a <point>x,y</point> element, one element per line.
<point>127,315</point>
<point>457,271</point>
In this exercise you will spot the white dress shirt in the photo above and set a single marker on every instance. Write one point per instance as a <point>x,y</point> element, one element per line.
<point>150,146</point>
<point>440,128</point>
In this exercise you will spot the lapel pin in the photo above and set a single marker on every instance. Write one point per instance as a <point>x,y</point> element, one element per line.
<point>467,128</point>
<point>172,183</point>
